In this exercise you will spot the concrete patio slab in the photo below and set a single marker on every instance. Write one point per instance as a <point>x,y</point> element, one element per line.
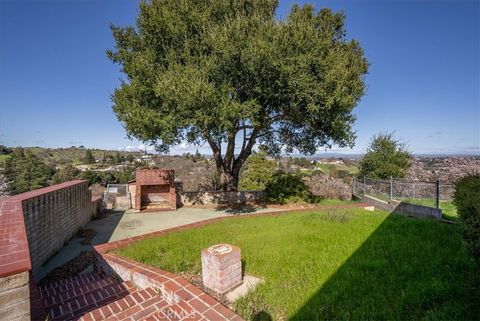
<point>249,283</point>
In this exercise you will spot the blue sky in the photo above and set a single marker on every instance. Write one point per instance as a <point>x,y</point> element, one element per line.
<point>55,79</point>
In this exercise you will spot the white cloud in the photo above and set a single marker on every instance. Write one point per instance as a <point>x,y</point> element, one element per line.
<point>146,147</point>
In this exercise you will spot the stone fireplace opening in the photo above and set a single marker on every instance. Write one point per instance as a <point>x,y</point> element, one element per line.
<point>155,190</point>
<point>155,196</point>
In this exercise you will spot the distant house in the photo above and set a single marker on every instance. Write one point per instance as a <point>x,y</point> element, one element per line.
<point>144,157</point>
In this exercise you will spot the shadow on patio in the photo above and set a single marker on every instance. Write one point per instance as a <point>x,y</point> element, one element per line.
<point>75,252</point>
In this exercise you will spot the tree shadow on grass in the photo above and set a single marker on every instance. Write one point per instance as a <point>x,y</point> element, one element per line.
<point>239,209</point>
<point>262,316</point>
<point>408,269</point>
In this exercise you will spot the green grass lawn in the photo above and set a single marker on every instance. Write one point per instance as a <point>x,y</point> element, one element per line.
<point>3,158</point>
<point>327,168</point>
<point>335,265</point>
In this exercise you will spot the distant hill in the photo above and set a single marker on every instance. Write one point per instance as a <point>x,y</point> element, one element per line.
<point>62,156</point>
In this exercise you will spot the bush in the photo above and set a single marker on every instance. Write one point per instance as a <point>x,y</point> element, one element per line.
<point>467,201</point>
<point>287,188</point>
<point>323,187</point>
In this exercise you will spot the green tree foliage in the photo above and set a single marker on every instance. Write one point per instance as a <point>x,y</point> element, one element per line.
<point>4,150</point>
<point>119,158</point>
<point>385,157</point>
<point>104,178</point>
<point>286,188</point>
<point>257,172</point>
<point>130,158</point>
<point>65,174</point>
<point>302,162</point>
<point>230,74</point>
<point>125,175</point>
<point>89,158</point>
<point>25,172</point>
<point>467,201</point>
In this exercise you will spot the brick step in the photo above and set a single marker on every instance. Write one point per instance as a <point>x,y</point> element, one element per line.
<point>70,283</point>
<point>66,296</point>
<point>77,306</point>
<point>136,306</point>
<point>174,313</point>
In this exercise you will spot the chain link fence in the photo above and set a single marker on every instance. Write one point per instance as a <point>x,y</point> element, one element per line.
<point>423,193</point>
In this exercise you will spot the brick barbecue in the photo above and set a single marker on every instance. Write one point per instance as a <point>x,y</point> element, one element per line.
<point>155,190</point>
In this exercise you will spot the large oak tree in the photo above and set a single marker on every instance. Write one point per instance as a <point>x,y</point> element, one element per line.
<point>230,74</point>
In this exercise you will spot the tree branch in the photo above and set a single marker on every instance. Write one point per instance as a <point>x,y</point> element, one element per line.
<point>229,153</point>
<point>247,151</point>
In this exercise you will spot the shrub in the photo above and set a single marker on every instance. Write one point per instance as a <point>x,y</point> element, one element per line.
<point>286,188</point>
<point>323,186</point>
<point>467,201</point>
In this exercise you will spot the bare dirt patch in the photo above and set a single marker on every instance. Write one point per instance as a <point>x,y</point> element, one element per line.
<point>69,269</point>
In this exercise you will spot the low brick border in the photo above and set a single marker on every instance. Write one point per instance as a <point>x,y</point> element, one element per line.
<point>183,296</point>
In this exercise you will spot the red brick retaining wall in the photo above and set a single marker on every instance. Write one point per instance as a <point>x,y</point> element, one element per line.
<point>52,216</point>
<point>183,297</point>
<point>33,226</point>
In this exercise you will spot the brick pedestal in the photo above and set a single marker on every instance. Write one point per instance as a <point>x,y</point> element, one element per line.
<point>221,267</point>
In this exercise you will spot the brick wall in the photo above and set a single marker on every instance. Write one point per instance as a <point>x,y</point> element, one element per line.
<point>33,226</point>
<point>14,262</point>
<point>219,197</point>
<point>52,216</point>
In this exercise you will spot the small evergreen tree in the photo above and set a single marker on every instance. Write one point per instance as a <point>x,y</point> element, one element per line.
<point>25,172</point>
<point>258,171</point>
<point>119,158</point>
<point>386,157</point>
<point>89,158</point>
<point>4,150</point>
<point>130,158</point>
<point>66,174</point>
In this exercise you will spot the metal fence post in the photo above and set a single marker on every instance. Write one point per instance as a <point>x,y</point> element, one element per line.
<point>391,187</point>
<point>364,185</point>
<point>437,194</point>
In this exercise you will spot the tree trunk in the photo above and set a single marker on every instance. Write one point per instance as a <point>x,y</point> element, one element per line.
<point>229,180</point>
<point>228,168</point>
